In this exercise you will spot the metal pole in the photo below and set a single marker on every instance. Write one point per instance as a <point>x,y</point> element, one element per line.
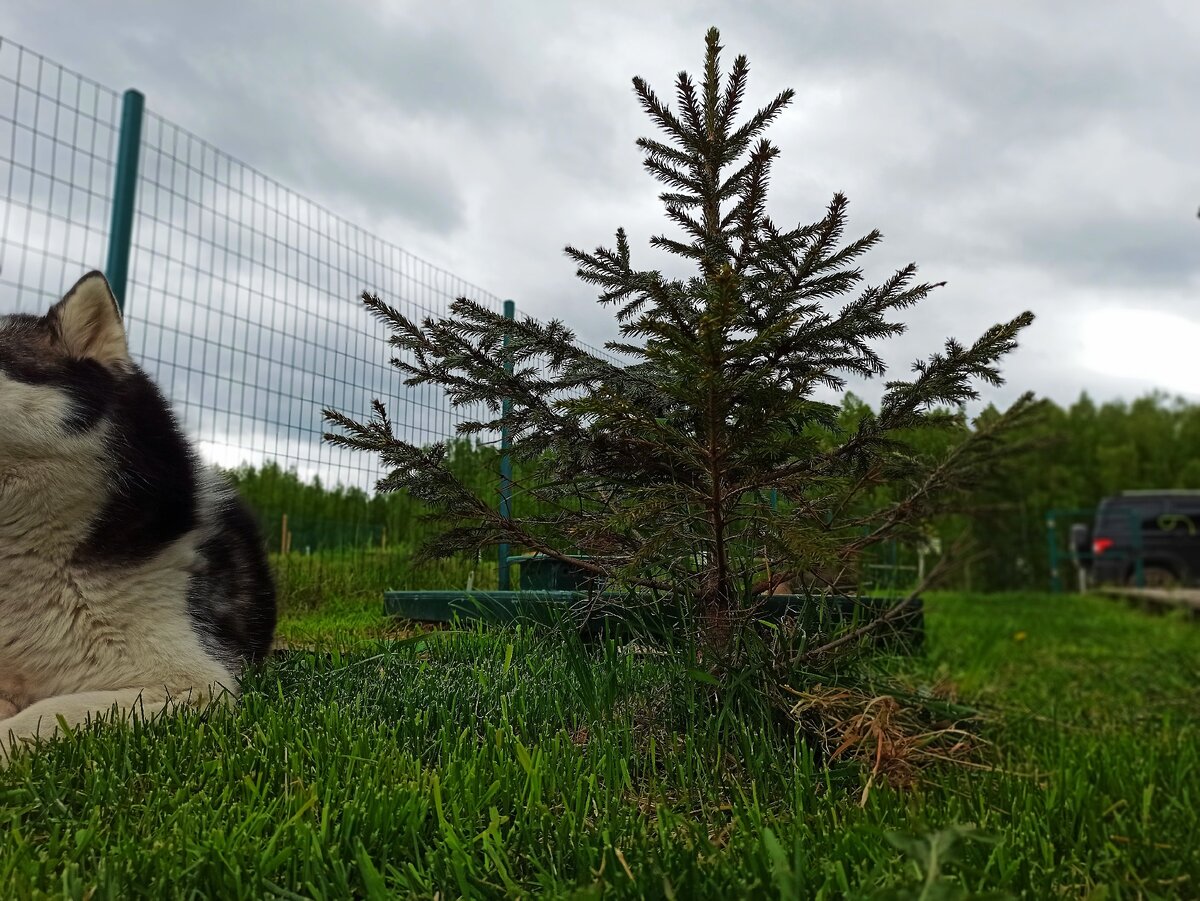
<point>510,311</point>
<point>1052,547</point>
<point>124,195</point>
<point>1139,566</point>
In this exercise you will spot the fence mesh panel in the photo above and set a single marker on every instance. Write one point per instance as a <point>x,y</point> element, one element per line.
<point>244,300</point>
<point>58,147</point>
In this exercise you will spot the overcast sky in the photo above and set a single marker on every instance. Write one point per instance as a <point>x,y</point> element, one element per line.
<point>1034,155</point>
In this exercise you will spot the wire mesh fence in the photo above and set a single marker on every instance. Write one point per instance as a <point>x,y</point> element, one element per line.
<point>242,303</point>
<point>58,139</point>
<point>244,299</point>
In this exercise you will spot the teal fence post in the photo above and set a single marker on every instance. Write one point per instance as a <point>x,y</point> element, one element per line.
<point>1056,585</point>
<point>120,233</point>
<point>1139,562</point>
<point>510,311</point>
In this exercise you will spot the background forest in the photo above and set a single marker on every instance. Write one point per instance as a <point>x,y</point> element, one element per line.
<point>1087,451</point>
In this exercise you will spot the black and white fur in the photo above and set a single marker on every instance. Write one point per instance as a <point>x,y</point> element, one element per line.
<point>130,576</point>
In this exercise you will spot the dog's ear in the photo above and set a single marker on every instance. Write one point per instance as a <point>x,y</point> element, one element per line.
<point>89,322</point>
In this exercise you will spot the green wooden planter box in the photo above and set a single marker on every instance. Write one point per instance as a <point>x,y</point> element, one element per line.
<point>542,573</point>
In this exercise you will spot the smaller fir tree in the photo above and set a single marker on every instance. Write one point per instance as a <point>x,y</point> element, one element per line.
<point>693,462</point>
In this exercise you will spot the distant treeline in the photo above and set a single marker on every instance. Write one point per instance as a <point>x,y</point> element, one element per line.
<point>1086,451</point>
<point>1090,451</point>
<point>322,518</point>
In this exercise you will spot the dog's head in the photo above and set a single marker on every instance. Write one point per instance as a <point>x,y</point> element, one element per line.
<point>59,372</point>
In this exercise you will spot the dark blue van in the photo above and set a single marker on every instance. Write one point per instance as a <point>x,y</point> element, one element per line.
<point>1159,529</point>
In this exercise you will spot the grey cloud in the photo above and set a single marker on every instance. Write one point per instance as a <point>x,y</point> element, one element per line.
<point>1034,154</point>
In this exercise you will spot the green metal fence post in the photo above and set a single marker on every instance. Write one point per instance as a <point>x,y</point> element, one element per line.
<point>1052,546</point>
<point>1139,564</point>
<point>124,194</point>
<point>510,311</point>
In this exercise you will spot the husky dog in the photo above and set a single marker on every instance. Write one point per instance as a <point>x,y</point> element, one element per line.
<point>130,577</point>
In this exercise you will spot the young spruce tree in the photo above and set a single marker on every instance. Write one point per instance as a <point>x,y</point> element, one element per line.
<point>659,460</point>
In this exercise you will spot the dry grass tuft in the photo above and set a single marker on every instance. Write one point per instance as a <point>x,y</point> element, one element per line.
<point>897,742</point>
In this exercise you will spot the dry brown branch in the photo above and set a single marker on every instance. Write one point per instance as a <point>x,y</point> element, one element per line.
<point>895,742</point>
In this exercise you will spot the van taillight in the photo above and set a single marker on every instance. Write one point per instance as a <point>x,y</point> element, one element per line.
<point>1100,545</point>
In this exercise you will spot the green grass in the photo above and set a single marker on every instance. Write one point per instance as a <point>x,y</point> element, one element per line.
<point>490,765</point>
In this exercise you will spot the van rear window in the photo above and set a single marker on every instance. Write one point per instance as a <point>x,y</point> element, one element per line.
<point>1119,519</point>
<point>1116,518</point>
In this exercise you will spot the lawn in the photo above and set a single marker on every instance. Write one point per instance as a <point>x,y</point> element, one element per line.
<point>501,763</point>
